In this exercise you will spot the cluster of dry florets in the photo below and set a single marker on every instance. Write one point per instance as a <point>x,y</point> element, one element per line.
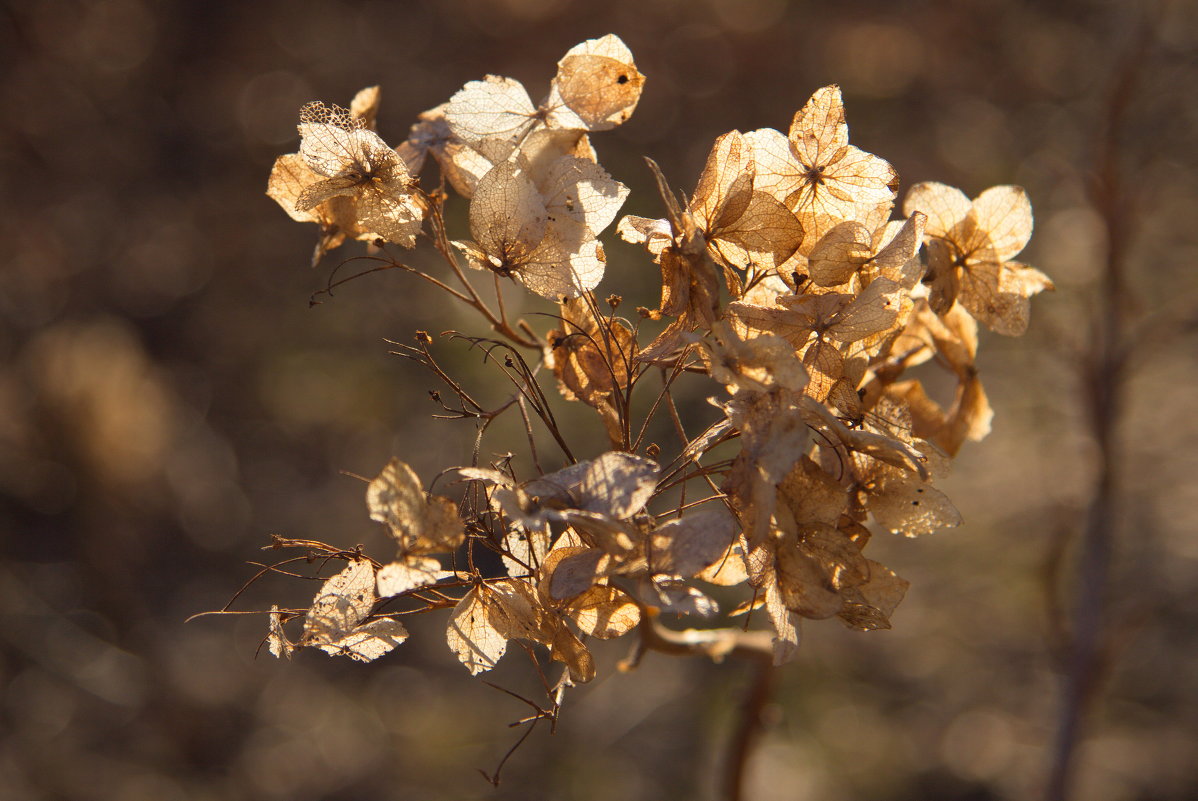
<point>784,279</point>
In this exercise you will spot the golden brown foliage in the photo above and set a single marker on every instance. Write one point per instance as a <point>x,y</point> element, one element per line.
<point>783,280</point>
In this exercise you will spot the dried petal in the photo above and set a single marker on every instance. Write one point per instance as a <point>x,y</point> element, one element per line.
<point>471,635</point>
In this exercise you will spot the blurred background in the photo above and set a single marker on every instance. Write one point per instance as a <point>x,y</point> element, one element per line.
<point>168,399</point>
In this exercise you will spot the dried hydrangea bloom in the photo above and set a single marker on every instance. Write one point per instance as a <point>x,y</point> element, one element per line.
<point>354,162</point>
<point>970,247</point>
<point>596,88</point>
<point>346,179</point>
<point>742,225</point>
<point>817,174</point>
<point>544,243</point>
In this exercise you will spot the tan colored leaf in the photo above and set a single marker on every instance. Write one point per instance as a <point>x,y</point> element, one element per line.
<point>729,569</point>
<point>368,641</point>
<point>365,106</point>
<point>334,622</point>
<point>945,206</point>
<point>412,573</point>
<point>583,191</point>
<point>605,612</point>
<point>786,625</point>
<point>840,253</point>
<point>527,546</point>
<point>515,610</point>
<point>838,556</point>
<point>757,364</point>
<point>492,116</point>
<point>471,636</point>
<point>725,185</point>
<point>812,496</point>
<point>574,572</point>
<point>869,606</point>
<point>276,638</point>
<point>618,484</point>
<point>686,546</point>
<point>507,214</point>
<point>817,173</point>
<point>805,586</point>
<point>566,648</point>
<point>593,356</point>
<point>597,86</point>
<point>1005,214</point>
<point>877,309</point>
<point>342,603</point>
<point>911,507</point>
<point>825,366</point>
<point>420,523</point>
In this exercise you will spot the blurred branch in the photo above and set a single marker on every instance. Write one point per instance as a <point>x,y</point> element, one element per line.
<point>1087,652</point>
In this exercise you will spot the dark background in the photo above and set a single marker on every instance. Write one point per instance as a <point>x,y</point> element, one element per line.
<point>168,399</point>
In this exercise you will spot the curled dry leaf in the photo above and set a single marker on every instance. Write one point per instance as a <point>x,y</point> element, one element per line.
<point>276,637</point>
<point>597,86</point>
<point>868,607</point>
<point>742,226</point>
<point>420,523</point>
<point>335,623</point>
<point>688,545</point>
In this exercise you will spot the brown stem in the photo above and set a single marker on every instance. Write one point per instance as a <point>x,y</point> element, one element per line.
<point>1087,655</point>
<point>748,728</point>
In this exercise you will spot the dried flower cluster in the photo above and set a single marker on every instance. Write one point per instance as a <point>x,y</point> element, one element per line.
<point>784,279</point>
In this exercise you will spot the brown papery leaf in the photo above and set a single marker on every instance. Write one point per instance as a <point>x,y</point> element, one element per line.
<point>758,364</point>
<point>581,190</point>
<point>477,643</point>
<point>869,606</point>
<point>276,638</point>
<point>507,214</point>
<point>905,505</point>
<point>725,185</point>
<point>840,253</point>
<point>786,625</point>
<point>571,571</point>
<point>617,484</point>
<point>420,523</point>
<point>728,569</point>
<point>412,573</point>
<point>812,496</point>
<point>597,86</point>
<point>605,612</point>
<point>565,647</point>
<point>492,116</point>
<point>945,206</point>
<point>825,366</point>
<point>365,106</point>
<point>879,308</point>
<point>816,173</point>
<point>342,603</point>
<point>686,546</point>
<point>334,623</point>
<point>805,585</point>
<point>837,555</point>
<point>368,641</point>
<point>593,356</point>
